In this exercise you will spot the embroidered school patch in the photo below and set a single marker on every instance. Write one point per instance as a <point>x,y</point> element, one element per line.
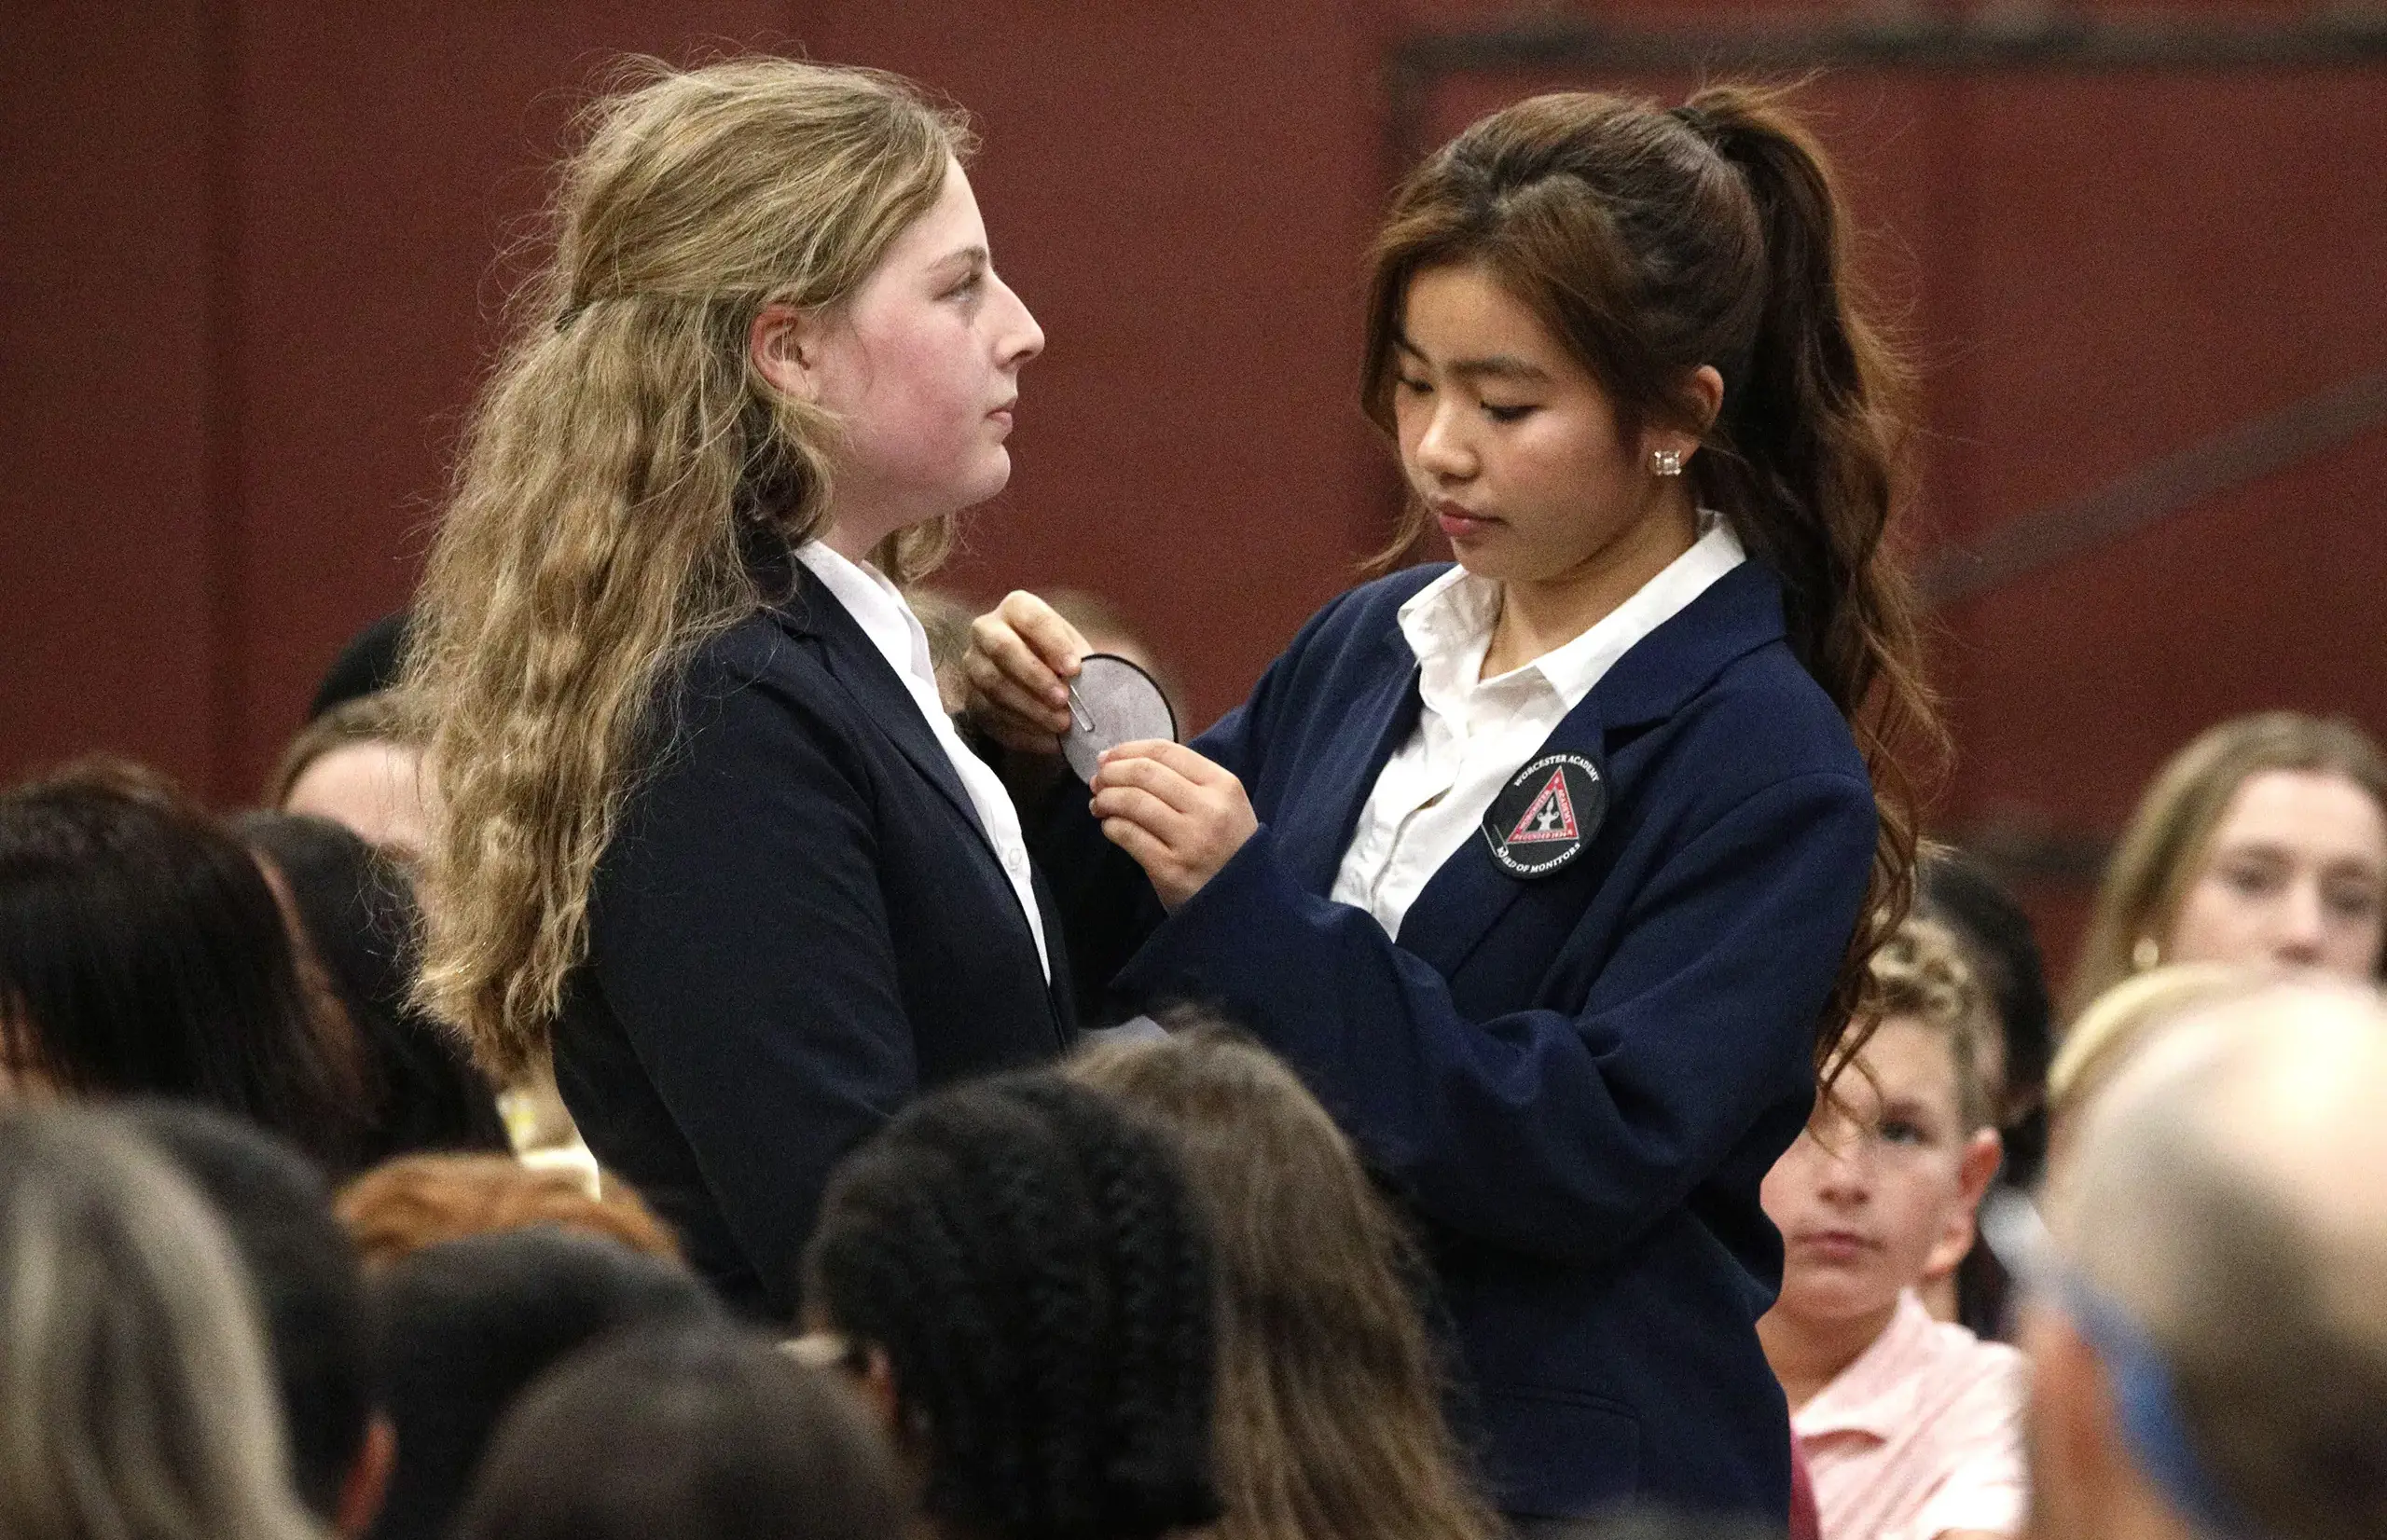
<point>1540,821</point>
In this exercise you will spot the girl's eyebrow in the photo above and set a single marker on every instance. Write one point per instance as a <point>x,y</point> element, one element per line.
<point>967,259</point>
<point>1506,366</point>
<point>1911,1108</point>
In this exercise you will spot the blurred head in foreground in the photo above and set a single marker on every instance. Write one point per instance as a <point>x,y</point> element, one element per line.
<point>688,1433</point>
<point>136,1393</point>
<point>2208,1324</point>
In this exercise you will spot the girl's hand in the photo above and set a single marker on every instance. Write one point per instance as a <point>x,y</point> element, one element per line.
<point>1179,814</point>
<point>1022,654</point>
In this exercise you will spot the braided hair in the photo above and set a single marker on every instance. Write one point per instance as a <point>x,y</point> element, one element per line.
<point>1031,1262</point>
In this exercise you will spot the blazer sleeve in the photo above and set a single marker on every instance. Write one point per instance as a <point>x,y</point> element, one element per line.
<point>1107,904</point>
<point>740,935</point>
<point>1557,1136</point>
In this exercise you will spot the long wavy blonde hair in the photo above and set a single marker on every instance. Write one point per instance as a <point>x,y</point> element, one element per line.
<point>614,468</point>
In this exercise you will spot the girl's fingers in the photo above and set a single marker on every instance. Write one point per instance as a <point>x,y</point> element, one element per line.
<point>994,639</point>
<point>1040,629</point>
<point>1013,702</point>
<point>1141,807</point>
<point>1175,757</point>
<point>1150,775</point>
<point>1140,843</point>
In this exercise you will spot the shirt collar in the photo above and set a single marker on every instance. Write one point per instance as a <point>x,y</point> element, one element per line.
<point>1449,622</point>
<point>1875,1395</point>
<point>876,605</point>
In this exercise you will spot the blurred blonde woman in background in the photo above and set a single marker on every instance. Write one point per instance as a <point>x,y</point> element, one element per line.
<point>135,1396</point>
<point>703,820</point>
<point>2263,844</point>
<point>1328,1420</point>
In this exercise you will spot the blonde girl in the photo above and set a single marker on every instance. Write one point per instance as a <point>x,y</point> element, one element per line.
<point>705,830</point>
<point>2263,844</point>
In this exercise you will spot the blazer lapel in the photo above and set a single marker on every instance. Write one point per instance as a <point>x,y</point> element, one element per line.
<point>1314,827</point>
<point>858,664</point>
<point>1739,612</point>
<point>1469,894</point>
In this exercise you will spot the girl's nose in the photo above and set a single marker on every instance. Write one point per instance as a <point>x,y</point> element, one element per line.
<point>1441,453</point>
<point>2301,925</point>
<point>1024,338</point>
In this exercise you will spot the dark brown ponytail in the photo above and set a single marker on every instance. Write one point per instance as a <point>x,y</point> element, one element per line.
<point>1817,435</point>
<point>1654,241</point>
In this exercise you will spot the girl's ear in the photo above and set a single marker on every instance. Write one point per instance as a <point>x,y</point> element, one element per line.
<point>1707,393</point>
<point>1975,1170</point>
<point>784,343</point>
<point>1704,395</point>
<point>1985,1152</point>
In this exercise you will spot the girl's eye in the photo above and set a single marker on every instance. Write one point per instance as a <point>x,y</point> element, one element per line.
<point>1897,1130</point>
<point>2250,882</point>
<point>967,287</point>
<point>1506,414</point>
<point>2351,902</point>
<point>1415,386</point>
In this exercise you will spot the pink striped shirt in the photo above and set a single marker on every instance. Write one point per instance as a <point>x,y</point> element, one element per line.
<point>1920,1437</point>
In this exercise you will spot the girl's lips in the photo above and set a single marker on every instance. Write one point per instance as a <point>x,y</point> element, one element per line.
<point>1836,1245</point>
<point>1457,524</point>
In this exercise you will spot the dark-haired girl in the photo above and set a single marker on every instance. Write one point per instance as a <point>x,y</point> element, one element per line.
<point>1018,1274</point>
<point>352,922</point>
<point>142,951</point>
<point>1545,870</point>
<point>684,1433</point>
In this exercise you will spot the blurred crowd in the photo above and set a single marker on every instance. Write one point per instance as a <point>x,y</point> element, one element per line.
<point>276,1261</point>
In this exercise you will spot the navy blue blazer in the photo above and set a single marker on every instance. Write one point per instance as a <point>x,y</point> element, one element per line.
<point>798,925</point>
<point>1577,1082</point>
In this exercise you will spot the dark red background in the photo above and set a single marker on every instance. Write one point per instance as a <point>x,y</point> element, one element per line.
<point>247,261</point>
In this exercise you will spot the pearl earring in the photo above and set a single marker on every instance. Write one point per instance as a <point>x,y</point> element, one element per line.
<point>1665,462</point>
<point>2146,953</point>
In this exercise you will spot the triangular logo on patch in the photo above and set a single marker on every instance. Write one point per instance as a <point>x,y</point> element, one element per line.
<point>1551,816</point>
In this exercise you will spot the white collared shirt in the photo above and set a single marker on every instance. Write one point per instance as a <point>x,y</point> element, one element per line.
<point>878,608</point>
<point>1474,734</point>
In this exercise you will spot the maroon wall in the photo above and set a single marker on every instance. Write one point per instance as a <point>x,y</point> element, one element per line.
<point>248,248</point>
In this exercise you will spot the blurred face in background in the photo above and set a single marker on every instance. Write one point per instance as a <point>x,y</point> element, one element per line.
<point>373,787</point>
<point>2295,878</point>
<point>1877,1191</point>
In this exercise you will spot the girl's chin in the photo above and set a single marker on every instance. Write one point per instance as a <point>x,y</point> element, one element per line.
<point>991,475</point>
<point>1834,1301</point>
<point>1483,563</point>
<point>1500,561</point>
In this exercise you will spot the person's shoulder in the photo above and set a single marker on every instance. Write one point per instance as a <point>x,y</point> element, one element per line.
<point>765,644</point>
<point>761,672</point>
<point>1720,687</point>
<point>1373,609</point>
<point>1764,711</point>
<point>1974,1382</point>
<point>1353,639</point>
<point>1978,1358</point>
